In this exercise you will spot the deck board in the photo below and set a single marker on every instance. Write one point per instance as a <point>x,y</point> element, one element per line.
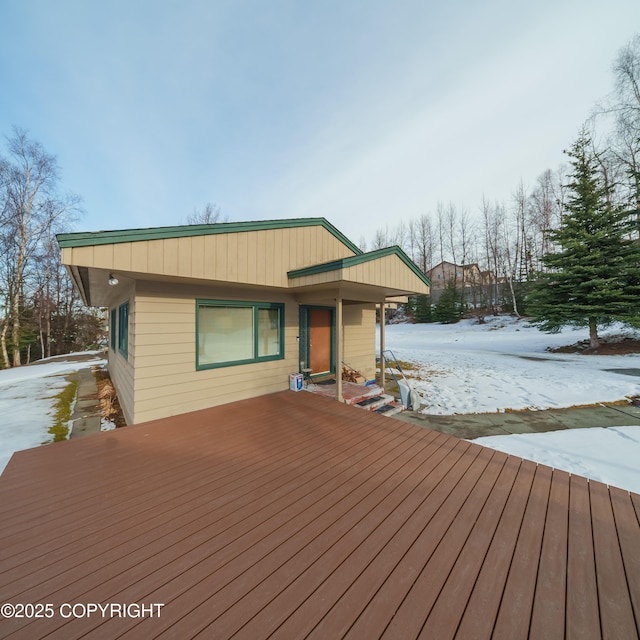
<point>583,615</point>
<point>293,516</point>
<point>443,619</point>
<point>400,525</point>
<point>516,607</point>
<point>548,615</point>
<point>410,617</point>
<point>628,529</point>
<point>616,613</point>
<point>479,617</point>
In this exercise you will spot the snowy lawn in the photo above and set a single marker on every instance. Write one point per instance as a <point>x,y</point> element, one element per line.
<point>472,368</point>
<point>503,364</point>
<point>27,401</point>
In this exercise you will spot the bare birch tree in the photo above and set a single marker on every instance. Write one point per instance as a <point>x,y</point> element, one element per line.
<point>209,214</point>
<point>31,209</point>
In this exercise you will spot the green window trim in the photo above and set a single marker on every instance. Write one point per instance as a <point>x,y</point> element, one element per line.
<point>113,329</point>
<point>255,307</point>
<point>123,329</point>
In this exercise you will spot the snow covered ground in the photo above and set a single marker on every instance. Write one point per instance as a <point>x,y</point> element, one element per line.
<point>27,400</point>
<point>609,455</point>
<point>472,368</point>
<point>503,364</point>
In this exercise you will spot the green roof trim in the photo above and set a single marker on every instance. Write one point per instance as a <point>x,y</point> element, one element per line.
<point>88,239</point>
<point>344,263</point>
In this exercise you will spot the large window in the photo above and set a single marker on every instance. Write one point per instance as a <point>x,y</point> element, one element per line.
<point>231,332</point>
<point>123,329</point>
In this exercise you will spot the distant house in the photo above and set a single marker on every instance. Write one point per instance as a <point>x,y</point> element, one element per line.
<point>480,287</point>
<point>202,315</point>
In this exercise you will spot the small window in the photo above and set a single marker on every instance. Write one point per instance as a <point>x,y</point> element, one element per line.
<point>231,333</point>
<point>123,329</point>
<point>113,330</point>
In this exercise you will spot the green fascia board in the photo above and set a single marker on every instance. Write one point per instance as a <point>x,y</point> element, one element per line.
<point>344,263</point>
<point>93,238</point>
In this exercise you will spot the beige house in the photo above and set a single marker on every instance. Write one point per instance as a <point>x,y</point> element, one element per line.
<point>479,287</point>
<point>464,275</point>
<point>203,315</point>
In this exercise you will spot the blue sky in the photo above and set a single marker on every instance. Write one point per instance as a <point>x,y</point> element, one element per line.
<point>364,112</point>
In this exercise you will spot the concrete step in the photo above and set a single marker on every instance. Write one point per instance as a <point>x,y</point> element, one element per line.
<point>355,393</point>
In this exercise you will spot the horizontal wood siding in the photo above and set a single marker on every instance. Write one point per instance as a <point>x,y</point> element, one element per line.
<point>250,257</point>
<point>360,338</point>
<point>166,380</point>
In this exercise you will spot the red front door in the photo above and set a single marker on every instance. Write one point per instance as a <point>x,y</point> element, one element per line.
<point>319,340</point>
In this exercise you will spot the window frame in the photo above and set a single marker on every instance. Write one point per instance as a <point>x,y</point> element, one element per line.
<point>113,329</point>
<point>255,306</point>
<point>123,329</point>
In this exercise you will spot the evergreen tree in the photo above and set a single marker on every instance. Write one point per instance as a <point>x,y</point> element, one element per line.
<point>422,309</point>
<point>594,276</point>
<point>450,307</point>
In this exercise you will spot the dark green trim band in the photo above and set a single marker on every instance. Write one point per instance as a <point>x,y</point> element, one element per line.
<point>123,330</point>
<point>89,239</point>
<point>113,328</point>
<point>344,263</point>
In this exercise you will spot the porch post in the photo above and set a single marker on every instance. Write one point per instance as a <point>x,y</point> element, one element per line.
<point>338,348</point>
<point>382,323</point>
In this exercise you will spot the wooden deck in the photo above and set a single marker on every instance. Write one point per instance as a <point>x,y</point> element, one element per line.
<point>293,516</point>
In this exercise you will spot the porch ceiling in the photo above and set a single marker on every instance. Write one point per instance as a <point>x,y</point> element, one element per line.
<point>350,292</point>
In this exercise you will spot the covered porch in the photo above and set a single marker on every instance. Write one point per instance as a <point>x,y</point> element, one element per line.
<point>379,279</point>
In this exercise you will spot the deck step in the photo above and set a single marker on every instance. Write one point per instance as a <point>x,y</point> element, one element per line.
<point>390,409</point>
<point>375,402</point>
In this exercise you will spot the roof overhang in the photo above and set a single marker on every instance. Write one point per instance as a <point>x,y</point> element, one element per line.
<point>375,276</point>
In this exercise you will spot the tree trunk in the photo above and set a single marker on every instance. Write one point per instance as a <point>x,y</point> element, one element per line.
<point>513,298</point>
<point>15,335</point>
<point>594,340</point>
<point>3,344</point>
<point>14,309</point>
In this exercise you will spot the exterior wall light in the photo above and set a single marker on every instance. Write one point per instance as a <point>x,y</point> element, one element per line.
<point>113,281</point>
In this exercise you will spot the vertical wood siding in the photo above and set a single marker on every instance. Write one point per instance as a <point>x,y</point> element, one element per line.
<point>253,257</point>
